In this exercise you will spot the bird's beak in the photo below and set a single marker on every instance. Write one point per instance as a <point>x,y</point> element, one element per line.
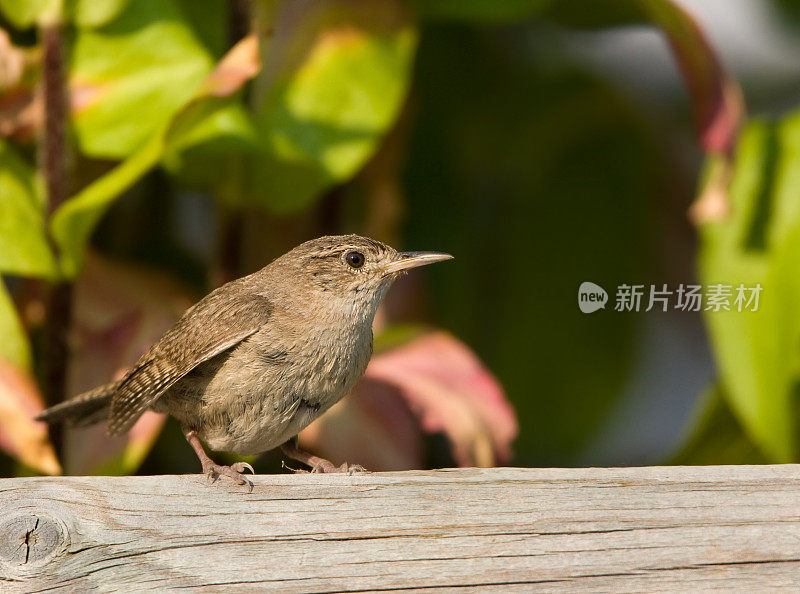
<point>407,260</point>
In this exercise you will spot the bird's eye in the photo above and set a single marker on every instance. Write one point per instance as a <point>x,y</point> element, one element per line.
<point>355,259</point>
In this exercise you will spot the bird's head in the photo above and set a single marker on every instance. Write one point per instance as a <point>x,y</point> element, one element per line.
<point>350,270</point>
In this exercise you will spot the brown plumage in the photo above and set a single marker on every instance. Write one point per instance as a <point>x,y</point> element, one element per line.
<point>259,358</point>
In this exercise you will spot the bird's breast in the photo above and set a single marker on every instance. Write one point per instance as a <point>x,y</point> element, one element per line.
<point>269,387</point>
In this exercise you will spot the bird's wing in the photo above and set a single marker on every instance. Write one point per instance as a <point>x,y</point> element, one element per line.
<point>212,326</point>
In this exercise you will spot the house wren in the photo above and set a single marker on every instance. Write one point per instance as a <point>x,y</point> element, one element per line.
<point>259,358</point>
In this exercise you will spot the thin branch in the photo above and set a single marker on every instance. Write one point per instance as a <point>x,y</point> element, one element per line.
<point>58,303</point>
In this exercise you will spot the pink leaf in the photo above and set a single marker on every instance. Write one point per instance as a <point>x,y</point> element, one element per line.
<point>436,381</point>
<point>373,427</point>
<point>21,436</point>
<point>21,108</point>
<point>239,65</point>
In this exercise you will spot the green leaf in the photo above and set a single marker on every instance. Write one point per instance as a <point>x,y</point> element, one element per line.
<point>130,77</point>
<point>23,244</point>
<point>208,121</point>
<point>24,13</point>
<point>325,100</point>
<point>757,352</point>
<point>319,119</point>
<point>212,135</point>
<point>201,120</point>
<point>95,13</point>
<point>14,346</point>
<point>72,224</point>
<point>209,20</point>
<point>333,109</point>
<point>85,13</point>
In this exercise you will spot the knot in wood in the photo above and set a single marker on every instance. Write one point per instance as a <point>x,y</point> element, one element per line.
<point>30,538</point>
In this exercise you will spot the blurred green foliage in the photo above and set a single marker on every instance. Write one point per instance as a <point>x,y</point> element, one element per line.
<point>23,244</point>
<point>516,178</point>
<point>537,173</point>
<point>147,61</point>
<point>14,347</point>
<point>757,354</point>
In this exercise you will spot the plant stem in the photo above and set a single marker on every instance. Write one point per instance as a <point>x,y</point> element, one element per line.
<point>58,301</point>
<point>231,221</point>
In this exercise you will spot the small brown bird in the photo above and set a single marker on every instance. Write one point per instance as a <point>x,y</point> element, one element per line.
<point>259,358</point>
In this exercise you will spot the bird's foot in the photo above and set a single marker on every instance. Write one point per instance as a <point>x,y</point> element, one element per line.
<point>234,471</point>
<point>327,467</point>
<point>318,465</point>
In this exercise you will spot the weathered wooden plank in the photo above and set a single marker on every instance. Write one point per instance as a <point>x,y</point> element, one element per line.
<point>506,530</point>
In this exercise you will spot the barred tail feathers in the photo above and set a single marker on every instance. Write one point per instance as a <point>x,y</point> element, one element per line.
<point>86,409</point>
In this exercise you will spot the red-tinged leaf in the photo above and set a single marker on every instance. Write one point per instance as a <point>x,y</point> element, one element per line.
<point>119,312</point>
<point>21,114</point>
<point>716,99</point>
<point>13,62</point>
<point>713,203</point>
<point>239,65</point>
<point>90,450</point>
<point>21,109</point>
<point>373,427</point>
<point>718,106</point>
<point>21,436</point>
<point>437,381</point>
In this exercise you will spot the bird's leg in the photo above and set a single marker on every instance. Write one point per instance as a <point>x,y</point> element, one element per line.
<point>213,470</point>
<point>317,464</point>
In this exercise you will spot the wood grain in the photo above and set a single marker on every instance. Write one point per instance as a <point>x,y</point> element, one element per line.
<point>505,530</point>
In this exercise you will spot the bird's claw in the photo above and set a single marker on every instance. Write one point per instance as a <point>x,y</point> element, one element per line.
<point>234,471</point>
<point>241,467</point>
